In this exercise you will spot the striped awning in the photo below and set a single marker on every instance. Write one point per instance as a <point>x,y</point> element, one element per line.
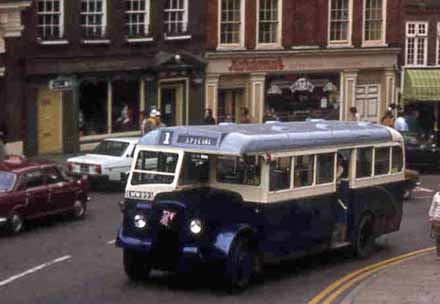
<point>421,85</point>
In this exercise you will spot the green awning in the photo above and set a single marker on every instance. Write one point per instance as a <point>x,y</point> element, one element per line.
<point>421,85</point>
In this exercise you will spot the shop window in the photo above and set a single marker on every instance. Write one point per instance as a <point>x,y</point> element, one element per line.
<point>269,22</point>
<point>231,23</point>
<point>93,108</point>
<point>397,160</point>
<point>374,21</point>
<point>176,17</point>
<point>304,171</point>
<point>340,21</point>
<point>125,107</point>
<point>325,168</point>
<point>416,43</point>
<point>280,174</point>
<point>93,19</point>
<point>241,171</point>
<point>364,162</point>
<point>137,18</point>
<point>50,19</point>
<point>382,161</point>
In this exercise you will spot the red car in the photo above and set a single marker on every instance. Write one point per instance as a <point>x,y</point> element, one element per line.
<point>30,190</point>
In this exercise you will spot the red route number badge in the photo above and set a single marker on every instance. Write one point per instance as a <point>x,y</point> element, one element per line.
<point>167,217</point>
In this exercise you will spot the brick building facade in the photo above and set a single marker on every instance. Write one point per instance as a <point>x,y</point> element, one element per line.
<point>304,59</point>
<point>86,70</point>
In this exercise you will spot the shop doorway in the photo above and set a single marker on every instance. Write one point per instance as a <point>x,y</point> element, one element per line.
<point>367,101</point>
<point>49,121</point>
<point>125,106</point>
<point>171,104</point>
<point>229,103</point>
<point>93,108</point>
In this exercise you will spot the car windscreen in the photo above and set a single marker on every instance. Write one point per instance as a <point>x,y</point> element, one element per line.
<point>111,148</point>
<point>7,181</point>
<point>154,167</point>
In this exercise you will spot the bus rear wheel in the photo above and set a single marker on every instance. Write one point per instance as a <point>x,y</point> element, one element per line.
<point>364,242</point>
<point>136,265</point>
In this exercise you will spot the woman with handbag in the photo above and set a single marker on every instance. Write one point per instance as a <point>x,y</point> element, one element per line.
<point>434,218</point>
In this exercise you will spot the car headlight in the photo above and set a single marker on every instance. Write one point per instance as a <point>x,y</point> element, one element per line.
<point>140,221</point>
<point>196,226</point>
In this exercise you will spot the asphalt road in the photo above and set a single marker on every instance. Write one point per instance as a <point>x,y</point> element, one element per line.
<point>65,261</point>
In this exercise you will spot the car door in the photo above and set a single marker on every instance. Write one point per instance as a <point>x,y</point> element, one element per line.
<point>36,193</point>
<point>61,192</point>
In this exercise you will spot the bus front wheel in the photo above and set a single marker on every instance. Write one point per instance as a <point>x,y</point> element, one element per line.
<point>136,265</point>
<point>364,242</point>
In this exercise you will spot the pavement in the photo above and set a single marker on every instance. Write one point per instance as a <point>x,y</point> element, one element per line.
<point>414,280</point>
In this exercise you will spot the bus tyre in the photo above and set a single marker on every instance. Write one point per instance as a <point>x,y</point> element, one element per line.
<point>16,223</point>
<point>240,264</point>
<point>136,265</point>
<point>364,242</point>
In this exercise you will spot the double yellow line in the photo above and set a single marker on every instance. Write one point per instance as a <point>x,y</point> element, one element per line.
<point>334,290</point>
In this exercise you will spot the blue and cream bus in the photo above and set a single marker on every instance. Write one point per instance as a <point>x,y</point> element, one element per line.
<point>237,196</point>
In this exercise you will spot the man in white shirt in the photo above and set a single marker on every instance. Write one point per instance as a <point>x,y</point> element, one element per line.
<point>434,218</point>
<point>400,124</point>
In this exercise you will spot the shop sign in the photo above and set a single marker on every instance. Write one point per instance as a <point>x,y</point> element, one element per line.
<point>61,84</point>
<point>197,140</point>
<point>302,85</point>
<point>256,65</point>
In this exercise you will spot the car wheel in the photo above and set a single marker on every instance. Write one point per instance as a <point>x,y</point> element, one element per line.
<point>240,264</point>
<point>79,209</point>
<point>136,265</point>
<point>407,194</point>
<point>16,223</point>
<point>364,242</point>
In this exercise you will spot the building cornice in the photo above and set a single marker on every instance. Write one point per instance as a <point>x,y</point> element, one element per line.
<point>15,5</point>
<point>304,52</point>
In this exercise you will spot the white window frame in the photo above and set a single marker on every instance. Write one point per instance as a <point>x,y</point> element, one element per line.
<point>53,39</point>
<point>437,49</point>
<point>183,34</point>
<point>416,37</point>
<point>98,39</point>
<point>277,43</point>
<point>239,45</point>
<point>382,42</point>
<point>146,25</point>
<point>348,41</point>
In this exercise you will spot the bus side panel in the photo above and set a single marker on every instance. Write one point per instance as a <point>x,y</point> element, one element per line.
<point>383,202</point>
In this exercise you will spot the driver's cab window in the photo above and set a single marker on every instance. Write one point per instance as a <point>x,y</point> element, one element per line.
<point>195,169</point>
<point>33,179</point>
<point>280,174</point>
<point>53,176</point>
<point>239,170</point>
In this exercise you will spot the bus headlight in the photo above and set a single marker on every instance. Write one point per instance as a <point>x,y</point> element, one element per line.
<point>140,221</point>
<point>196,226</point>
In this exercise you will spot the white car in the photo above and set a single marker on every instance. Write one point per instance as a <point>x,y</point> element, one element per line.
<point>107,161</point>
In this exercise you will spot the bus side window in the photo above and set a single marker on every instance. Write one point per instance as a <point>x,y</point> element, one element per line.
<point>325,168</point>
<point>396,159</point>
<point>304,170</point>
<point>382,161</point>
<point>364,162</point>
<point>280,174</point>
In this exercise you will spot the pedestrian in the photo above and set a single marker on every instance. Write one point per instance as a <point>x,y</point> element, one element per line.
<point>151,123</point>
<point>388,119</point>
<point>400,124</point>
<point>208,119</point>
<point>228,118</point>
<point>3,135</point>
<point>244,116</point>
<point>434,218</point>
<point>270,115</point>
<point>354,115</point>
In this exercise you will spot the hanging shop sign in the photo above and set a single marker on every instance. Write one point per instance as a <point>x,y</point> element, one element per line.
<point>274,90</point>
<point>61,84</point>
<point>302,85</point>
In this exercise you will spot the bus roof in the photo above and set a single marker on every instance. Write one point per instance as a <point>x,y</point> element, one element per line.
<point>241,139</point>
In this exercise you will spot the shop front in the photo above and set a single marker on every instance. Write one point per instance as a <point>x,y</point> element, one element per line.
<point>106,102</point>
<point>297,85</point>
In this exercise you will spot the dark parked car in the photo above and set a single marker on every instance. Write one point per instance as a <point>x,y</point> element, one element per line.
<point>422,151</point>
<point>30,190</point>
